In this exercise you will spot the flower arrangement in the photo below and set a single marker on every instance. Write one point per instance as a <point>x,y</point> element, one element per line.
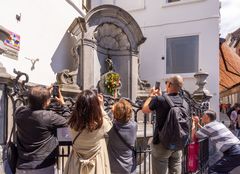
<point>112,82</point>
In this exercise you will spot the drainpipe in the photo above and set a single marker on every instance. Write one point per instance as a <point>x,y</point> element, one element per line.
<point>82,14</point>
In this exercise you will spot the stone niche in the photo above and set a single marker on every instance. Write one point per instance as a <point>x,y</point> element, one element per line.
<point>107,32</point>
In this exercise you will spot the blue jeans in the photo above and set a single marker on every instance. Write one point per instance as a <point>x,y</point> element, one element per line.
<point>166,161</point>
<point>229,161</point>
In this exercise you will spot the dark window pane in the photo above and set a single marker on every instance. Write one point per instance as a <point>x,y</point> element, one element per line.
<point>182,55</point>
<point>172,1</point>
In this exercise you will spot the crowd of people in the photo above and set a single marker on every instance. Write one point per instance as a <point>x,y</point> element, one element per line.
<point>104,145</point>
<point>94,135</point>
<point>234,115</point>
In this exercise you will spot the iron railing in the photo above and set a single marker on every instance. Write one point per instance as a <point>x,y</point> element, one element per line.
<point>19,97</point>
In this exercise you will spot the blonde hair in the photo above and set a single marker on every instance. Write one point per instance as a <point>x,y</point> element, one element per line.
<point>122,111</point>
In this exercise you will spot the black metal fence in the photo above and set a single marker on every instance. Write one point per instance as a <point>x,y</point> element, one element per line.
<point>144,155</point>
<point>202,159</point>
<point>18,97</point>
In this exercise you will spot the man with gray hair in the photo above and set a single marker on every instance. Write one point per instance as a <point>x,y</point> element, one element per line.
<point>164,160</point>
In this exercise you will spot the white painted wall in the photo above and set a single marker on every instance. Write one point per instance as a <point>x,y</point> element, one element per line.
<point>43,35</point>
<point>44,24</point>
<point>159,20</point>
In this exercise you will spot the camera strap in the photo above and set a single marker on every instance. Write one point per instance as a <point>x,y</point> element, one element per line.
<point>122,139</point>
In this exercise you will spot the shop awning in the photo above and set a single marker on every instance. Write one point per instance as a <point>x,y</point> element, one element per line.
<point>229,63</point>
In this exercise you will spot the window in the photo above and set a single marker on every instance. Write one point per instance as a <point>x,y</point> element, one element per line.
<point>182,54</point>
<point>169,1</point>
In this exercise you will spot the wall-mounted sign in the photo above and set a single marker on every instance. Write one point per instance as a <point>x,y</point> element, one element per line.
<point>12,44</point>
<point>13,41</point>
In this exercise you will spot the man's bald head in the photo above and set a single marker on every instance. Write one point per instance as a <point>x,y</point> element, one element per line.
<point>176,81</point>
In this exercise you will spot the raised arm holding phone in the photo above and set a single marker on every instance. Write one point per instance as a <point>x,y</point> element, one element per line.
<point>163,159</point>
<point>36,127</point>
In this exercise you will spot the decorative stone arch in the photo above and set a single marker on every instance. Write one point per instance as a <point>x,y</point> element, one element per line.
<point>109,14</point>
<point>108,31</point>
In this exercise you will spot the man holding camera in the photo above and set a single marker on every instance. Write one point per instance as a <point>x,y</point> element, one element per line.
<point>36,128</point>
<point>164,160</point>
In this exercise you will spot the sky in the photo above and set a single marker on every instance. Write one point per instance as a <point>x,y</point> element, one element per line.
<point>230,16</point>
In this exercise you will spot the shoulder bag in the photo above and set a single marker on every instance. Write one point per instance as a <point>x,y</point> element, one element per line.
<point>137,155</point>
<point>10,156</point>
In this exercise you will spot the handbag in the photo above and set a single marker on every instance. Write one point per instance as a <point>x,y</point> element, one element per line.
<point>10,156</point>
<point>192,156</point>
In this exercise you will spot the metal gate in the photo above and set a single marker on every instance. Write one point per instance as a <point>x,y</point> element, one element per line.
<point>18,96</point>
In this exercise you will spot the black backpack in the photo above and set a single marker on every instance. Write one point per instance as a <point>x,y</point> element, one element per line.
<point>175,133</point>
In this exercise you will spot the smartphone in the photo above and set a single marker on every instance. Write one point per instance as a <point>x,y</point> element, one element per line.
<point>157,85</point>
<point>55,91</point>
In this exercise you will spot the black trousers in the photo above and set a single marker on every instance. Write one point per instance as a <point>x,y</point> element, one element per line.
<point>229,161</point>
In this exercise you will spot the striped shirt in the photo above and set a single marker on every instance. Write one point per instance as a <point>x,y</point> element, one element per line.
<point>219,134</point>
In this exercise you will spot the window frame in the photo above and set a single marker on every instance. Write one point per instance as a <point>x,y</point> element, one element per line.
<point>198,54</point>
<point>167,1</point>
<point>180,2</point>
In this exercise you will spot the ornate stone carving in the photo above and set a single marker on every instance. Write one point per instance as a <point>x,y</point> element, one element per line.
<point>109,36</point>
<point>201,94</point>
<point>66,77</point>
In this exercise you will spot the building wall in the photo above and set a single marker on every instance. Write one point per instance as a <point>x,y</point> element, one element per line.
<point>43,31</point>
<point>160,20</point>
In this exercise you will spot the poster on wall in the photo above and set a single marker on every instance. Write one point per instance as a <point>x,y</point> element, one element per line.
<point>12,45</point>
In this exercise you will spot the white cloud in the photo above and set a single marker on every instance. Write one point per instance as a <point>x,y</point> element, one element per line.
<point>230,16</point>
